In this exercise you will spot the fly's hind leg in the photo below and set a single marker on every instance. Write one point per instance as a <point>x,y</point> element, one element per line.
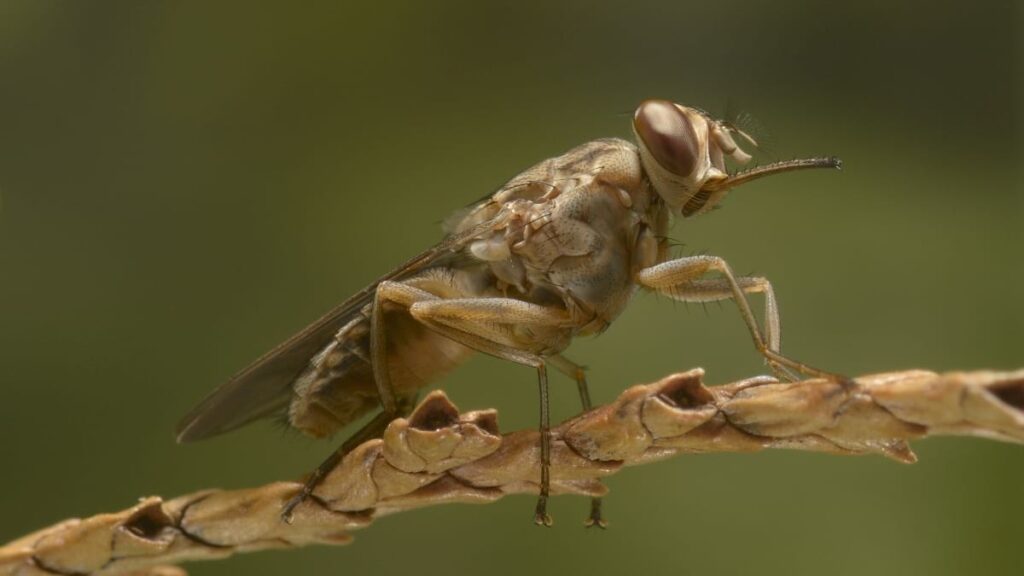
<point>372,429</point>
<point>392,406</point>
<point>680,279</point>
<point>578,373</point>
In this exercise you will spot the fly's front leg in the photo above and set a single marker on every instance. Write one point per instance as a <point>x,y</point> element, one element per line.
<point>578,373</point>
<point>484,324</point>
<point>680,274</point>
<point>391,405</point>
<point>717,289</point>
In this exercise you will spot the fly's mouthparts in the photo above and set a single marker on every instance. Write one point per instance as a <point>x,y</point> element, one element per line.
<point>740,178</point>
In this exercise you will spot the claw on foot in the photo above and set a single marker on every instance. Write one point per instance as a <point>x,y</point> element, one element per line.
<point>287,512</point>
<point>599,522</point>
<point>540,515</point>
<point>781,373</point>
<point>848,384</point>
<point>595,518</point>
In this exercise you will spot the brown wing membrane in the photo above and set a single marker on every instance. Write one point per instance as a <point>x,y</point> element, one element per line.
<point>264,387</point>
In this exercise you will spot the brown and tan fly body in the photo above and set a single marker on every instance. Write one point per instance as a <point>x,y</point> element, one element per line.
<point>556,253</point>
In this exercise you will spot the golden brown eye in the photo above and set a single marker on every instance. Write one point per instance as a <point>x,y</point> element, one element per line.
<point>668,135</point>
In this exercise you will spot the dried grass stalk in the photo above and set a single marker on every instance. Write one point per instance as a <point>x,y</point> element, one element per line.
<point>439,456</point>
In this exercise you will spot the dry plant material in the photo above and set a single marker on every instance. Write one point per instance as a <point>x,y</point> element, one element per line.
<point>439,456</point>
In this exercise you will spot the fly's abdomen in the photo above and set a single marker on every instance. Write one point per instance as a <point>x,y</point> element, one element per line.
<point>338,387</point>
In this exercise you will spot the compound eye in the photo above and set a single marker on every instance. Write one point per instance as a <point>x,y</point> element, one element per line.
<point>668,135</point>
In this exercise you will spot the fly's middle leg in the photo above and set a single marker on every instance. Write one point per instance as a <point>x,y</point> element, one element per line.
<point>681,279</point>
<point>578,373</point>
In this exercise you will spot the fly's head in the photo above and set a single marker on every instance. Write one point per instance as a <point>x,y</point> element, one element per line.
<point>683,151</point>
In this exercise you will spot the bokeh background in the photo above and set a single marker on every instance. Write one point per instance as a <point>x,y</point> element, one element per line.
<point>184,184</point>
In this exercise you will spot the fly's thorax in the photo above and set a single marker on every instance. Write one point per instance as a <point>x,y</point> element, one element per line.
<point>572,231</point>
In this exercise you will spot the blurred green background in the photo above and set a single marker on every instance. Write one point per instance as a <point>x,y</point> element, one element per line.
<point>185,184</point>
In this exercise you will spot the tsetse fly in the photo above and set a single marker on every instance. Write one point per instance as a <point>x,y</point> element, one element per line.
<point>555,253</point>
